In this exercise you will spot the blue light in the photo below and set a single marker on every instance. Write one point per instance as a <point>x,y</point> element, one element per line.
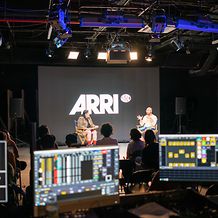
<point>159,23</point>
<point>199,25</point>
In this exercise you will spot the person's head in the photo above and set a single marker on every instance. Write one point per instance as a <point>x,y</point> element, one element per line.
<point>135,135</point>
<point>106,130</point>
<point>71,139</point>
<point>149,137</point>
<point>43,130</point>
<point>48,142</point>
<point>148,110</point>
<point>3,136</point>
<point>8,136</point>
<point>86,114</point>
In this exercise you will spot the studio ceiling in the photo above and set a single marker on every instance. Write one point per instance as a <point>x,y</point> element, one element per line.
<point>25,24</point>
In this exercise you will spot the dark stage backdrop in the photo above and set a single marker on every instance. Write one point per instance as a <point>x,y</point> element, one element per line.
<point>115,95</point>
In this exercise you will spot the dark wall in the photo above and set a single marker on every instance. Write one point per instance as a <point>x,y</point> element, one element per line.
<point>16,78</point>
<point>201,98</point>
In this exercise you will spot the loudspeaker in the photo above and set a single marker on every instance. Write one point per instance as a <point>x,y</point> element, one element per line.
<point>16,108</point>
<point>180,106</point>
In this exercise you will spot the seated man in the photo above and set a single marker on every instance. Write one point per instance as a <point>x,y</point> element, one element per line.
<point>149,121</point>
<point>86,124</point>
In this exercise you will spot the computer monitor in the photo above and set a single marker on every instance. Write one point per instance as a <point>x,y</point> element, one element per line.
<point>79,178</point>
<point>189,158</point>
<point>3,172</point>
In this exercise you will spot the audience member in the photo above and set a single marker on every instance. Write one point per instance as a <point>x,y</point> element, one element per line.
<point>48,142</point>
<point>12,147</point>
<point>71,140</point>
<point>136,145</point>
<point>42,131</point>
<point>107,131</point>
<point>150,154</point>
<point>44,137</point>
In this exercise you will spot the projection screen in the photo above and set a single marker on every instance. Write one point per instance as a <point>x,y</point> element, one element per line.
<point>112,94</point>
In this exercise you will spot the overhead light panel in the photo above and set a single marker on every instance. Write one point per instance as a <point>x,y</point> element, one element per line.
<point>73,55</point>
<point>102,55</point>
<point>133,56</point>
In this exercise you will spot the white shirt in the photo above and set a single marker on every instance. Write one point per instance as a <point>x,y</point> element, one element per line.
<point>149,121</point>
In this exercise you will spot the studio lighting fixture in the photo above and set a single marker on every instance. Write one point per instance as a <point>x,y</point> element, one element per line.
<point>102,56</point>
<point>59,22</point>
<point>49,52</point>
<point>73,55</point>
<point>133,56</point>
<point>159,21</point>
<point>148,58</point>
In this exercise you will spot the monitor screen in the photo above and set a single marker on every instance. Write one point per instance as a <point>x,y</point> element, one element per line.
<point>78,178</point>
<point>3,172</point>
<point>189,158</point>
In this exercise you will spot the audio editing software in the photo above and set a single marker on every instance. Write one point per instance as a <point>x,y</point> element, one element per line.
<point>75,173</point>
<point>188,157</point>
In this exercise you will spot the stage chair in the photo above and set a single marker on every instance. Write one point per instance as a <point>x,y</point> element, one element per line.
<point>81,134</point>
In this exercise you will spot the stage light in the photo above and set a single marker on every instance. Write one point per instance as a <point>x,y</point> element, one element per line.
<point>73,55</point>
<point>87,53</point>
<point>159,21</point>
<point>133,56</point>
<point>148,58</point>
<point>102,56</point>
<point>49,52</point>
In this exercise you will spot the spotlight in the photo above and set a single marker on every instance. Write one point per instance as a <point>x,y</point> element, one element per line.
<point>102,56</point>
<point>87,53</point>
<point>148,58</point>
<point>133,56</point>
<point>149,55</point>
<point>59,42</point>
<point>49,52</point>
<point>73,55</point>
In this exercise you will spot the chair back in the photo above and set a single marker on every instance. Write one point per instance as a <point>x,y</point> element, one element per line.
<point>127,169</point>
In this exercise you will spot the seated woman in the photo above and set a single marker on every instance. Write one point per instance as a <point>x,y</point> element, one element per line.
<point>86,124</point>
<point>150,154</point>
<point>107,131</point>
<point>136,145</point>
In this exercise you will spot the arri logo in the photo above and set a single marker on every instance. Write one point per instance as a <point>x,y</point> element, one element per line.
<point>102,104</point>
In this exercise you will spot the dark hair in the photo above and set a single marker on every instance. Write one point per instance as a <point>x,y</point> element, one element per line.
<point>3,136</point>
<point>71,139</point>
<point>135,134</point>
<point>48,142</point>
<point>43,131</point>
<point>106,130</point>
<point>149,137</point>
<point>85,112</point>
